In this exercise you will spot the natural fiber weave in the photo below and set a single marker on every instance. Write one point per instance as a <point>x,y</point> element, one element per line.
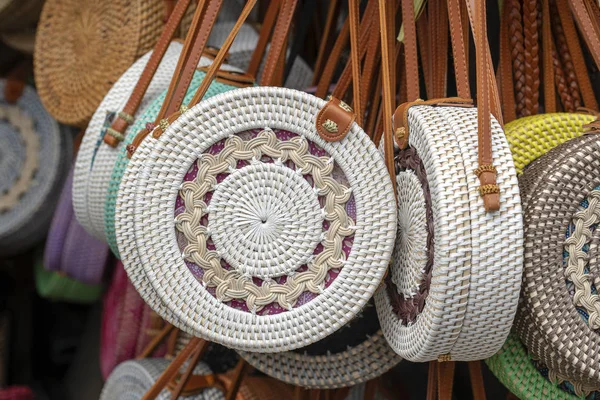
<point>354,354</point>
<point>121,162</point>
<point>558,195</point>
<point>515,369</point>
<point>132,379</point>
<point>374,242</point>
<point>465,312</point>
<point>83,46</point>
<point>96,159</point>
<point>34,158</point>
<point>531,137</point>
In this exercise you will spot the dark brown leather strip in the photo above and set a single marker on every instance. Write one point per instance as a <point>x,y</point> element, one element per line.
<point>532,58</point>
<point>181,382</point>
<point>504,74</point>
<point>445,379</point>
<point>156,340</point>
<point>459,50</point>
<point>476,380</point>
<point>322,55</point>
<point>549,90</point>
<point>238,374</point>
<point>334,57</point>
<point>354,18</point>
<point>518,54</point>
<point>587,93</point>
<point>263,38</point>
<point>280,36</point>
<point>432,381</point>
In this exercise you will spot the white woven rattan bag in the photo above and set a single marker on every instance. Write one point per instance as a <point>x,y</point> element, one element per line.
<point>453,286</point>
<point>279,263</point>
<point>132,379</point>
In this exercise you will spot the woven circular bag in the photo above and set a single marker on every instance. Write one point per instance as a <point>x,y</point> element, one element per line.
<point>454,264</point>
<point>96,159</point>
<point>304,260</point>
<point>560,192</point>
<point>34,159</point>
<point>354,354</point>
<point>132,379</point>
<point>83,46</point>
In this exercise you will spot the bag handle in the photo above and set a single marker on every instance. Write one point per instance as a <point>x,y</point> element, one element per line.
<point>114,134</point>
<point>328,29</point>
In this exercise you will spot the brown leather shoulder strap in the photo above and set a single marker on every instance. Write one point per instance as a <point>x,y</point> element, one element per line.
<point>124,118</point>
<point>263,38</point>
<point>332,12</point>
<point>548,63</point>
<point>334,57</point>
<point>280,36</point>
<point>198,38</point>
<point>411,58</point>
<point>445,375</point>
<point>504,75</point>
<point>476,380</point>
<point>459,50</point>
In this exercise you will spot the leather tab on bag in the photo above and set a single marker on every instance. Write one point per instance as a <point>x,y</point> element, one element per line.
<point>334,120</point>
<point>400,120</point>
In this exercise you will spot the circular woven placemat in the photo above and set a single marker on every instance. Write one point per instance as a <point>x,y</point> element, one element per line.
<point>83,46</point>
<point>453,285</point>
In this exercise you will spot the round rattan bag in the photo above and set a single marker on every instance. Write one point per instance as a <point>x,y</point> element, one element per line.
<point>453,285</point>
<point>83,46</point>
<point>558,316</point>
<point>132,379</point>
<point>34,159</point>
<point>272,238</point>
<point>96,159</point>
<point>354,354</point>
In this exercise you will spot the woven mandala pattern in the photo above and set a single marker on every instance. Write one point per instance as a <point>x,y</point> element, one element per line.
<point>265,220</point>
<point>552,319</point>
<point>196,309</point>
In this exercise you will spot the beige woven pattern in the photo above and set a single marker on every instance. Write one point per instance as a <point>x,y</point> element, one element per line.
<point>265,190</point>
<point>548,323</point>
<point>199,311</point>
<point>83,46</point>
<point>578,259</point>
<point>24,125</point>
<point>478,256</point>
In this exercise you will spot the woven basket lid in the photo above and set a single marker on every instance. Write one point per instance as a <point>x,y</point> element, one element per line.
<point>453,285</point>
<point>83,46</point>
<point>95,159</point>
<point>34,157</point>
<point>132,379</point>
<point>350,356</point>
<point>69,248</point>
<point>293,255</point>
<point>560,194</point>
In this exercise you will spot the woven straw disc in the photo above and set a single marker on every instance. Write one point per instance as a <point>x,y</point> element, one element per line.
<point>34,157</point>
<point>83,46</point>
<point>132,379</point>
<point>466,262</point>
<point>201,312</point>
<point>96,159</point>
<point>352,355</point>
<point>553,188</point>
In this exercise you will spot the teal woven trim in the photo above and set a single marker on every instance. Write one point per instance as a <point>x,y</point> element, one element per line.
<point>148,116</point>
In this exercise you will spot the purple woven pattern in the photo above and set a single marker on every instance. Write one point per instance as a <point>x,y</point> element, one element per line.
<point>59,227</point>
<point>69,248</point>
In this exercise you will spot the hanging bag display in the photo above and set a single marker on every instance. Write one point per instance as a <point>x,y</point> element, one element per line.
<point>453,286</point>
<point>306,259</point>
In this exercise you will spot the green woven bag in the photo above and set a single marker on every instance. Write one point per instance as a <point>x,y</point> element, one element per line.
<point>148,116</point>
